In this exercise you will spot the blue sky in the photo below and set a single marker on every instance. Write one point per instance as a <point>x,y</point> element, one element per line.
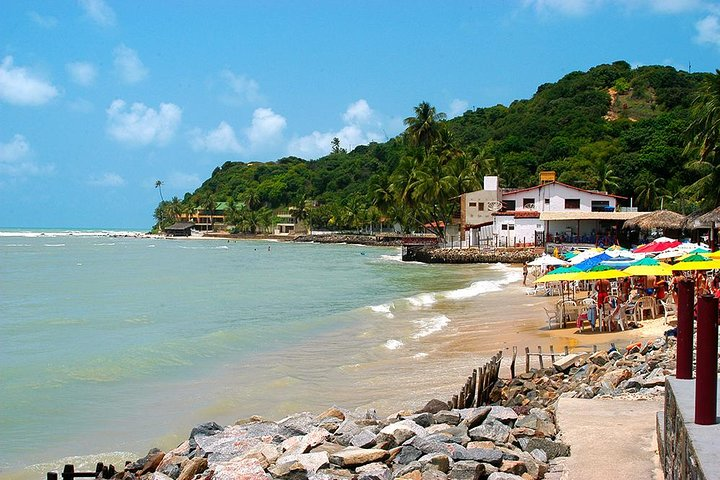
<point>101,98</point>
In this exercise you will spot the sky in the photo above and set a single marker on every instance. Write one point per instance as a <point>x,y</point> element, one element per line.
<point>99,99</point>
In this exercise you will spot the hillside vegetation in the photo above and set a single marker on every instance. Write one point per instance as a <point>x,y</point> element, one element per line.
<point>612,128</point>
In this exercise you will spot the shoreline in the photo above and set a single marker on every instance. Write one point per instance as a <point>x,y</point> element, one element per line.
<point>480,326</point>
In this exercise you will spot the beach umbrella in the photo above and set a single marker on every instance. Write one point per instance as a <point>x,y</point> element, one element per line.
<point>592,261</point>
<point>656,246</point>
<point>599,272</point>
<point>619,263</point>
<point>648,266</point>
<point>697,261</point>
<point>547,260</point>
<point>582,256</point>
<point>562,273</point>
<point>570,254</point>
<point>714,254</point>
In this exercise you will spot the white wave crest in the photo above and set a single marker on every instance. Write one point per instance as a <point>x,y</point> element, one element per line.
<point>385,309</point>
<point>473,290</point>
<point>428,326</point>
<point>420,355</point>
<point>423,299</point>
<point>54,244</point>
<point>393,344</point>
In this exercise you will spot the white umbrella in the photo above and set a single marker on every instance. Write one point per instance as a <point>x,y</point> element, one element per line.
<point>582,256</point>
<point>547,260</point>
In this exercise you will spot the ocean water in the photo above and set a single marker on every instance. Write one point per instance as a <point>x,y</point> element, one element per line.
<point>114,344</point>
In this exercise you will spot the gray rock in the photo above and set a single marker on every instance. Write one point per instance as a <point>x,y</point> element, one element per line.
<point>433,474</point>
<point>449,434</point>
<point>491,430</point>
<point>447,416</point>
<point>346,431</point>
<point>539,455</point>
<point>307,462</point>
<point>551,448</point>
<point>410,467</point>
<point>364,439</point>
<point>484,455</point>
<point>474,416</point>
<point>374,471</point>
<point>501,414</point>
<point>423,419</point>
<point>407,454</point>
<point>504,476</point>
<point>298,424</point>
<point>539,421</point>
<point>430,446</point>
<point>227,444</point>
<point>467,470</point>
<point>399,432</point>
<point>656,378</point>
<point>599,358</point>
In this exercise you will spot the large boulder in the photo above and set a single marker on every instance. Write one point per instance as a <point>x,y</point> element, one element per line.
<point>353,456</point>
<point>398,433</point>
<point>240,469</point>
<point>491,430</point>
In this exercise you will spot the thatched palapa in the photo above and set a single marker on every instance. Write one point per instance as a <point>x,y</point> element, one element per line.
<point>707,219</point>
<point>661,219</point>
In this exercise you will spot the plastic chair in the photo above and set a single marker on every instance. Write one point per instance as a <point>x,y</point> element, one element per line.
<point>668,309</point>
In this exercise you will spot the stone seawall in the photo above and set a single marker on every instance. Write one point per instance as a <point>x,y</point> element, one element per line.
<point>371,240</point>
<point>467,255</point>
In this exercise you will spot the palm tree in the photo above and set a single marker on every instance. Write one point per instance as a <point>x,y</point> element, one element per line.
<point>158,185</point>
<point>605,180</point>
<point>207,203</point>
<point>704,144</point>
<point>649,190</point>
<point>424,128</point>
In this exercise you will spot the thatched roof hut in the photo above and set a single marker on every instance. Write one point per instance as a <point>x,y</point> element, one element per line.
<point>658,220</point>
<point>707,219</point>
<point>692,223</point>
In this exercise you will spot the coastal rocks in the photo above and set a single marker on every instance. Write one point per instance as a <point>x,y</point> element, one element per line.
<point>353,456</point>
<point>469,255</point>
<point>384,240</point>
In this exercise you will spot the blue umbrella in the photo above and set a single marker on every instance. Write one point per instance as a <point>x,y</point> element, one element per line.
<point>592,261</point>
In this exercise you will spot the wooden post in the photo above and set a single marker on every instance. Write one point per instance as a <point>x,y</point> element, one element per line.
<point>455,401</point>
<point>527,359</point>
<point>512,363</point>
<point>540,356</point>
<point>68,472</point>
<point>567,351</point>
<point>552,354</point>
<point>594,348</point>
<point>52,476</point>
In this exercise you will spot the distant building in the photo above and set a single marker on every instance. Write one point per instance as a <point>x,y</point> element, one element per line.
<point>550,212</point>
<point>180,229</point>
<point>206,220</point>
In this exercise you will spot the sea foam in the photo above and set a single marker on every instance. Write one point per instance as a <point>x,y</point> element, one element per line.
<point>393,344</point>
<point>428,326</point>
<point>385,309</point>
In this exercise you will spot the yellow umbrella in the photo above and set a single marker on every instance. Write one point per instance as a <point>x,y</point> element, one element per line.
<point>600,272</point>
<point>713,254</point>
<point>562,273</point>
<point>697,262</point>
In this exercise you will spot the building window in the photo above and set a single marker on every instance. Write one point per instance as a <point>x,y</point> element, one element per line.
<point>600,205</point>
<point>503,226</point>
<point>528,201</point>
<point>547,201</point>
<point>472,204</point>
<point>511,226</point>
<point>509,204</point>
<point>572,203</point>
<point>481,206</point>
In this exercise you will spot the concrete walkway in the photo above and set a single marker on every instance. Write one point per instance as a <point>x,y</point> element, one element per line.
<point>610,438</point>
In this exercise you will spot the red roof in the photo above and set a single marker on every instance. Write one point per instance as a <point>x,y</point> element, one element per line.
<point>520,190</point>
<point>519,213</point>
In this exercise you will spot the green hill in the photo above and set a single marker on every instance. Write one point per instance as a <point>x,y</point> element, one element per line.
<point>612,128</point>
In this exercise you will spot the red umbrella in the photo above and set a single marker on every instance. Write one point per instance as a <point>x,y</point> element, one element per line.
<point>656,247</point>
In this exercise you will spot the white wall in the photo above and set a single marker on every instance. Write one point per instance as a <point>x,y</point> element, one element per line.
<point>556,194</point>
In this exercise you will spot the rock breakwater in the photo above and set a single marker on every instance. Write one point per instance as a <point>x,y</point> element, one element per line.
<point>516,438</point>
<point>469,255</point>
<point>371,240</point>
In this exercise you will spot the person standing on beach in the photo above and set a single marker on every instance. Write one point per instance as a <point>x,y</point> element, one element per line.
<point>525,272</point>
<point>602,286</point>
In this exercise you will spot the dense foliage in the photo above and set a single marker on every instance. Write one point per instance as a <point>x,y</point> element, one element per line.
<point>637,132</point>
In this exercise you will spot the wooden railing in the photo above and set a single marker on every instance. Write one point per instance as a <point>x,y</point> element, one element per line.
<point>69,473</point>
<point>477,388</point>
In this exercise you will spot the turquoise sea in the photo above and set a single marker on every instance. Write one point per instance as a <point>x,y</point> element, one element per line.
<point>117,344</point>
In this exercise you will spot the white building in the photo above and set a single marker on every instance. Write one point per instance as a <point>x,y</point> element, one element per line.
<point>552,211</point>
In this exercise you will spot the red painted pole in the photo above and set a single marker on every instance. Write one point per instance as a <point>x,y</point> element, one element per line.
<point>707,361</point>
<point>686,303</point>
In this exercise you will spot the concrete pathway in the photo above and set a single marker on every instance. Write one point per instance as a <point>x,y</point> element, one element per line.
<point>609,439</point>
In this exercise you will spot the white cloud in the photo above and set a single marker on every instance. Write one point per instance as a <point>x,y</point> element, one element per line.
<point>267,127</point>
<point>42,20</point>
<point>242,89</point>
<point>183,181</point>
<point>457,107</point>
<point>19,87</point>
<point>14,159</point>
<point>220,140</point>
<point>128,65</point>
<point>82,73</point>
<point>99,12</point>
<point>708,30</point>
<point>107,180</point>
<point>141,125</point>
<point>361,127</point>
<point>358,113</point>
<point>565,7</point>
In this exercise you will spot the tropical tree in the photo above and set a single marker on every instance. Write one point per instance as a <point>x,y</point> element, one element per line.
<point>649,190</point>
<point>424,128</point>
<point>704,144</point>
<point>158,185</point>
<point>605,178</point>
